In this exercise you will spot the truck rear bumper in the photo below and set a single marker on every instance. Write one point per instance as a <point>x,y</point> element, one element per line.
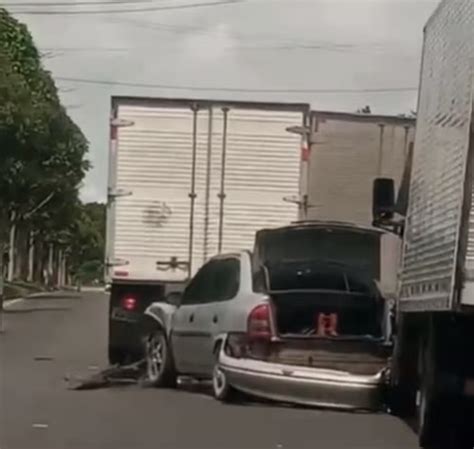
<point>304,385</point>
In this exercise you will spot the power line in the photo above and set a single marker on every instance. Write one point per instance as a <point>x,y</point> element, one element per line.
<point>84,49</point>
<point>93,3</point>
<point>125,11</point>
<point>285,44</point>
<point>235,89</point>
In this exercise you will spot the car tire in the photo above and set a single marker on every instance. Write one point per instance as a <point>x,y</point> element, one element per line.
<point>160,371</point>
<point>221,388</point>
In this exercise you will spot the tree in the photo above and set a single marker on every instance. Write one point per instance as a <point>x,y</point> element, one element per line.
<point>88,245</point>
<point>42,151</point>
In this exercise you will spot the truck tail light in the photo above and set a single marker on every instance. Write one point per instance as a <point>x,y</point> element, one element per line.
<point>259,323</point>
<point>129,303</point>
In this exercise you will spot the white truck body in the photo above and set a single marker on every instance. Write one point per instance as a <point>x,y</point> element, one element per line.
<point>189,179</point>
<point>348,151</point>
<point>438,251</point>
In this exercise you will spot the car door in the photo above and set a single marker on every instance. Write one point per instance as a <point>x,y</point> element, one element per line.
<point>184,330</point>
<point>224,285</point>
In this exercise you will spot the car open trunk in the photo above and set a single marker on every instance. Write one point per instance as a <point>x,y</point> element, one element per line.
<point>324,299</point>
<point>327,314</point>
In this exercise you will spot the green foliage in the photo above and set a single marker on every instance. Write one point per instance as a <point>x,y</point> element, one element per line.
<point>88,246</point>
<point>42,151</point>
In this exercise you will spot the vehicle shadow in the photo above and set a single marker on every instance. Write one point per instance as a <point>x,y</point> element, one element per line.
<point>35,310</point>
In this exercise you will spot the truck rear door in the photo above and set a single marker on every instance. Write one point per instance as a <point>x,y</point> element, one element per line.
<point>188,180</point>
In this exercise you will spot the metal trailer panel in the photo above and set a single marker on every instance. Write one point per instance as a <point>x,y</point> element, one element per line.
<point>467,297</point>
<point>348,152</point>
<point>432,237</point>
<point>154,164</point>
<point>262,168</point>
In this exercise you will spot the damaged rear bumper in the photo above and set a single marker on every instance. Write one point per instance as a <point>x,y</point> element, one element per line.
<point>304,385</point>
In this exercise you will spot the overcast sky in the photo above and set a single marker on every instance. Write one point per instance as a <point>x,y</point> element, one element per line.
<point>269,44</point>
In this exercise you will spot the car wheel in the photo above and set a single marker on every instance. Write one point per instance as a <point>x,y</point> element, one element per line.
<point>220,386</point>
<point>159,364</point>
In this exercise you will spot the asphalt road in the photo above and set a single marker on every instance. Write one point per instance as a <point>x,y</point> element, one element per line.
<point>48,338</point>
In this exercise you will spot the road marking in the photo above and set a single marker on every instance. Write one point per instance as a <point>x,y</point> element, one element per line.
<point>7,304</point>
<point>40,426</point>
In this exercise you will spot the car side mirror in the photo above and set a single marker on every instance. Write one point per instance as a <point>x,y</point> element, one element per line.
<point>174,298</point>
<point>383,199</point>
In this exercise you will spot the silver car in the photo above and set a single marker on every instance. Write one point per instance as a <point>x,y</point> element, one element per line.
<point>303,331</point>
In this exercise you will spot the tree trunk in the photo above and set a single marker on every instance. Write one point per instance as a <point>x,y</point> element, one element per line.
<point>31,257</point>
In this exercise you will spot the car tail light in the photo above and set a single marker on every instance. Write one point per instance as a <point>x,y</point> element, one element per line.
<point>129,303</point>
<point>259,323</point>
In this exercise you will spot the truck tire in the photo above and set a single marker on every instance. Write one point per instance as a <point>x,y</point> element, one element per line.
<point>401,398</point>
<point>160,371</point>
<point>442,422</point>
<point>117,356</point>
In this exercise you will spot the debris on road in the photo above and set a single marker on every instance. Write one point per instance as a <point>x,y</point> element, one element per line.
<point>114,375</point>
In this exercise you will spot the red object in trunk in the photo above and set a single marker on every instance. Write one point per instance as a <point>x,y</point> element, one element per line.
<point>259,325</point>
<point>326,324</point>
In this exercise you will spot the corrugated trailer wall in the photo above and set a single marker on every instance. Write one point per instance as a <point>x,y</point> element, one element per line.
<point>348,152</point>
<point>198,171</point>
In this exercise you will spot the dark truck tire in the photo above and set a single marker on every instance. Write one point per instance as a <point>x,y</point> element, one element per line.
<point>117,356</point>
<point>444,417</point>
<point>401,397</point>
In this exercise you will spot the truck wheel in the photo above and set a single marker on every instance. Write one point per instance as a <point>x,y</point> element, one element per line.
<point>430,410</point>
<point>402,392</point>
<point>441,417</point>
<point>159,365</point>
<point>402,401</point>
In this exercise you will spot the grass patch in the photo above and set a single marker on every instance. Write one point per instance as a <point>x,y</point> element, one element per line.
<point>20,289</point>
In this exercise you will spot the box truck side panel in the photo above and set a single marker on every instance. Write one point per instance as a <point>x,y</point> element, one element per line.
<point>468,292</point>
<point>440,160</point>
<point>348,152</point>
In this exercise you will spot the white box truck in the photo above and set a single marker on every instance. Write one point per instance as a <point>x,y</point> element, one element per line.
<point>433,362</point>
<point>348,151</point>
<point>189,179</point>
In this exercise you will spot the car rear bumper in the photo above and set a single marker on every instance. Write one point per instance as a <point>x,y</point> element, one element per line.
<point>304,385</point>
